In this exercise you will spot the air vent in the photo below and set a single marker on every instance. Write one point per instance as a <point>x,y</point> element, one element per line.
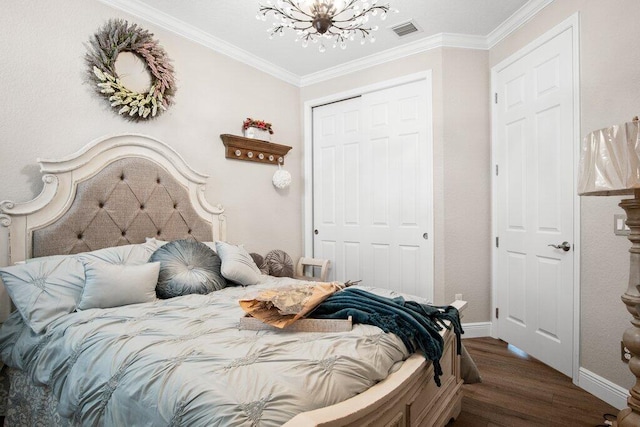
<point>405,29</point>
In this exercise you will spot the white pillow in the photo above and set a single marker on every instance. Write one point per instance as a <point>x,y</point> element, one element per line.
<point>138,253</point>
<point>114,285</point>
<point>237,264</point>
<point>44,290</point>
<point>127,254</point>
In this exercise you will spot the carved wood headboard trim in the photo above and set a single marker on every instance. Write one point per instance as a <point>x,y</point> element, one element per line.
<point>61,178</point>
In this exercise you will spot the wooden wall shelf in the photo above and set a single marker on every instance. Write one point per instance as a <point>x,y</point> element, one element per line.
<point>253,150</point>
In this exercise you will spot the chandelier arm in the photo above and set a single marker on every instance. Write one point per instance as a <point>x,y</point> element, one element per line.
<point>266,9</point>
<point>280,28</point>
<point>302,28</point>
<point>349,5</point>
<point>276,30</point>
<point>296,7</point>
<point>358,28</point>
<point>363,32</point>
<point>283,13</point>
<point>385,9</point>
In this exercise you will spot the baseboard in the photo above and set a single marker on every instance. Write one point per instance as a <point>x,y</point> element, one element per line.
<point>476,330</point>
<point>602,388</point>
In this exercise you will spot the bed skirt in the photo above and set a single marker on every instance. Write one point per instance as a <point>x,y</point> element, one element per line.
<point>27,404</point>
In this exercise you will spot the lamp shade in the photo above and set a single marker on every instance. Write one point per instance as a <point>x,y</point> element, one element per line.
<point>610,161</point>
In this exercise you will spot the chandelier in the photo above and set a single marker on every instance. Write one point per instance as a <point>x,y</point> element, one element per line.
<point>318,21</point>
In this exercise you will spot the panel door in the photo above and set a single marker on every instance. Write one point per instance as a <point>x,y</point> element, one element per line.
<point>372,189</point>
<point>534,145</point>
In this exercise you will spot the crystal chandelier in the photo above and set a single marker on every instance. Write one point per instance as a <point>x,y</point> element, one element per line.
<point>318,21</point>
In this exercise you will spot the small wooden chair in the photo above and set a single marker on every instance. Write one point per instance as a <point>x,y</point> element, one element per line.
<point>312,262</point>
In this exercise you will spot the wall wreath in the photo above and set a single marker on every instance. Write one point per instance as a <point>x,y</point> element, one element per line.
<point>118,36</point>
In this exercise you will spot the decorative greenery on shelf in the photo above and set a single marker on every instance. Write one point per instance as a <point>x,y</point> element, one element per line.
<point>258,124</point>
<point>118,36</point>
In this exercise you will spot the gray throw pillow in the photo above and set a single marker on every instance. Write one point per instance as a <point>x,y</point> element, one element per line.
<point>279,263</point>
<point>187,267</point>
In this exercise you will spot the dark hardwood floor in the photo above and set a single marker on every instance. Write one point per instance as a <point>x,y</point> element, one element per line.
<point>518,390</point>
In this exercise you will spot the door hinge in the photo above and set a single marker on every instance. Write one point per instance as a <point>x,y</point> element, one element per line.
<point>497,242</point>
<point>496,97</point>
<point>496,170</point>
<point>497,313</point>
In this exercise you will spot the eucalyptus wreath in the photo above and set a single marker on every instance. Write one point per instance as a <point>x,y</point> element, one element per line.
<point>118,36</point>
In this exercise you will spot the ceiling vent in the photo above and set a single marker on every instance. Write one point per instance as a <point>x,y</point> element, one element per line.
<point>405,29</point>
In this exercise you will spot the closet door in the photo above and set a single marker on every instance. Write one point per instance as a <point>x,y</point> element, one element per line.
<point>372,180</point>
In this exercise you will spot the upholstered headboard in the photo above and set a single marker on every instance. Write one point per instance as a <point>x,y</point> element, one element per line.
<point>115,191</point>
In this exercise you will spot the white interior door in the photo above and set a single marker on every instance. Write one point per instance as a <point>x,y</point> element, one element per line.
<point>534,148</point>
<point>372,191</point>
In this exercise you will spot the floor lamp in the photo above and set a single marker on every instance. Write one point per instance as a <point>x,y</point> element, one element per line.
<point>610,166</point>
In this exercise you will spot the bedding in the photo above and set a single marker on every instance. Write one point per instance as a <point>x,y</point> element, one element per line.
<point>184,361</point>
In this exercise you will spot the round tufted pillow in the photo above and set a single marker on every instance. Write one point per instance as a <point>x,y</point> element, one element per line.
<point>259,260</point>
<point>280,263</point>
<point>187,267</point>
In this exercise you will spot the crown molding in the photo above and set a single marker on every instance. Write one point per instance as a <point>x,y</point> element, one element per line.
<point>464,41</point>
<point>181,28</point>
<point>174,25</point>
<point>515,21</point>
<point>408,49</point>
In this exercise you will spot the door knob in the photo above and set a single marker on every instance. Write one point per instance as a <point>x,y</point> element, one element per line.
<point>315,232</point>
<point>565,246</point>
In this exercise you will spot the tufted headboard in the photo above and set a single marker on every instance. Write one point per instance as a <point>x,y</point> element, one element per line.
<point>115,191</point>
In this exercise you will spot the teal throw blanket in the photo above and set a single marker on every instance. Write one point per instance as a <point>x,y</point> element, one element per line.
<point>417,325</point>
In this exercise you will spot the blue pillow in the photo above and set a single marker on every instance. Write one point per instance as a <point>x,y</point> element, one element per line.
<point>187,267</point>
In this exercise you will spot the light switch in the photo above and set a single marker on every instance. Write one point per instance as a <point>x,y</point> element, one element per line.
<point>619,227</point>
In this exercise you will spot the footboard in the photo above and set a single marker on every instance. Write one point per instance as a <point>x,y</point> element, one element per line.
<point>408,397</point>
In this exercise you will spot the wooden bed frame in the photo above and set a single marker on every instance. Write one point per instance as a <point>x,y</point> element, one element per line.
<point>408,397</point>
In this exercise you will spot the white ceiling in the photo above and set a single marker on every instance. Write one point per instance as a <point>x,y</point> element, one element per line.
<point>231,27</point>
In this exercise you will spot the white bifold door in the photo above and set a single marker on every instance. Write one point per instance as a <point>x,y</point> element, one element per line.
<point>372,188</point>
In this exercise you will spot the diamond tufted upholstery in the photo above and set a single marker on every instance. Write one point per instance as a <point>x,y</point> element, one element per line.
<point>129,200</point>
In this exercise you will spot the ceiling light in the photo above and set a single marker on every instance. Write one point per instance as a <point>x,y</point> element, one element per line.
<point>334,21</point>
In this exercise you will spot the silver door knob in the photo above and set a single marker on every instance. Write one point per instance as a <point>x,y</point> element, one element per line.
<point>565,246</point>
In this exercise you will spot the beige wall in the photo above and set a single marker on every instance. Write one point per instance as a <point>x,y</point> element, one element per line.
<point>49,111</point>
<point>610,94</point>
<point>461,154</point>
<point>467,180</point>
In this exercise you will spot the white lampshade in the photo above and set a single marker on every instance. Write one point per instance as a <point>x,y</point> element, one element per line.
<point>610,161</point>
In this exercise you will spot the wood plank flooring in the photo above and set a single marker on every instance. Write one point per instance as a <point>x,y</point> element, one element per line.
<point>518,390</point>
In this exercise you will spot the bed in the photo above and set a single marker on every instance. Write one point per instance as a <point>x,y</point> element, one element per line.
<point>114,200</point>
